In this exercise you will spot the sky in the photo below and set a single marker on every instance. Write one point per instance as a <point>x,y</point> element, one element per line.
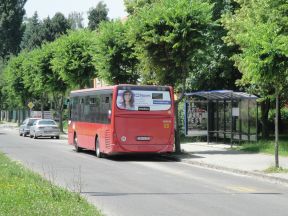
<point>50,7</point>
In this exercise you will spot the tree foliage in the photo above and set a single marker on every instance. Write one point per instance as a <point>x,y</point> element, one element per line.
<point>32,36</point>
<point>132,6</point>
<point>16,92</point>
<point>97,15</point>
<point>11,29</point>
<point>217,70</point>
<point>76,20</point>
<point>259,27</point>
<point>114,57</point>
<point>168,36</point>
<point>73,58</point>
<point>37,31</point>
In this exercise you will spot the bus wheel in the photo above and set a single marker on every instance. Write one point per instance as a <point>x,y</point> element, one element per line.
<point>97,149</point>
<point>77,148</point>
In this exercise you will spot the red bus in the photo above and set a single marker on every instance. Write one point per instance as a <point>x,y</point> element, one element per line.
<point>122,119</point>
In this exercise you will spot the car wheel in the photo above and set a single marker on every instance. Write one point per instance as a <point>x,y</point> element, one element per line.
<point>57,137</point>
<point>20,134</point>
<point>97,149</point>
<point>77,148</point>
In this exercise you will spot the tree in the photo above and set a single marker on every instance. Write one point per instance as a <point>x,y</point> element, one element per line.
<point>97,15</point>
<point>114,58</point>
<point>16,94</point>
<point>29,77</point>
<point>217,70</point>
<point>167,36</point>
<point>46,82</point>
<point>73,58</point>
<point>32,36</point>
<point>34,77</point>
<point>260,29</point>
<point>76,20</point>
<point>37,32</point>
<point>132,6</point>
<point>11,29</point>
<point>60,25</point>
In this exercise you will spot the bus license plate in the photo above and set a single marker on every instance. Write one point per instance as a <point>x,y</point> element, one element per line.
<point>143,138</point>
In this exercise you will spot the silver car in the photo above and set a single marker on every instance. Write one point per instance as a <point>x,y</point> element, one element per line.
<point>45,128</point>
<point>24,128</point>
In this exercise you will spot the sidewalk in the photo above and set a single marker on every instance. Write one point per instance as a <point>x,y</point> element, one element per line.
<point>221,157</point>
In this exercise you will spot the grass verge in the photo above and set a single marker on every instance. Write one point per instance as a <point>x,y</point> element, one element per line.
<point>23,192</point>
<point>274,169</point>
<point>266,146</point>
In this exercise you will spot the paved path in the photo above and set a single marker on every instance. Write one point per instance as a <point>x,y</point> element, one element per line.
<point>221,156</point>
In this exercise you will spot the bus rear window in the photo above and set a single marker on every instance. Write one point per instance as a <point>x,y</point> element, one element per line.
<point>144,99</point>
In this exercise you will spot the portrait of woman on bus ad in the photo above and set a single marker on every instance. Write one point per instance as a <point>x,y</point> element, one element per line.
<point>127,100</point>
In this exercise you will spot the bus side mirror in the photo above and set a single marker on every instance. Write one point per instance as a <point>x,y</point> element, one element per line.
<point>109,114</point>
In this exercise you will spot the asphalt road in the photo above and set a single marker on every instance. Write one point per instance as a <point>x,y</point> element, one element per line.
<point>145,186</point>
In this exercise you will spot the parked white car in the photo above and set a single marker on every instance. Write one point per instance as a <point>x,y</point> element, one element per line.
<point>44,128</point>
<point>24,128</point>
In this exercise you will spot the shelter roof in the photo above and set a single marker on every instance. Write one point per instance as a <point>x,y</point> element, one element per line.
<point>222,95</point>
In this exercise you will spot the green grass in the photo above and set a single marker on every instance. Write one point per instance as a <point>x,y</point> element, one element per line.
<point>23,192</point>
<point>266,146</point>
<point>274,169</point>
<point>65,125</point>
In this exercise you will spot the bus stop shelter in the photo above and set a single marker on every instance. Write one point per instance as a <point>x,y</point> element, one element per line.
<point>221,115</point>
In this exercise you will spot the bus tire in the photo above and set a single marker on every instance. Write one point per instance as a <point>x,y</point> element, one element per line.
<point>75,141</point>
<point>97,149</point>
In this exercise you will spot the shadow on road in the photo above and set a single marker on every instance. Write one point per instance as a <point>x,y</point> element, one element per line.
<point>169,194</point>
<point>149,157</point>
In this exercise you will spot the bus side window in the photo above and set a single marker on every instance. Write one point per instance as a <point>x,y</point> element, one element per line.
<point>74,108</point>
<point>69,109</point>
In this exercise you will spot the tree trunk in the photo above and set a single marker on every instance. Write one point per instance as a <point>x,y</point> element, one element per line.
<point>177,133</point>
<point>59,102</point>
<point>280,123</point>
<point>42,110</point>
<point>61,121</point>
<point>176,104</point>
<point>19,117</point>
<point>265,106</point>
<point>277,132</point>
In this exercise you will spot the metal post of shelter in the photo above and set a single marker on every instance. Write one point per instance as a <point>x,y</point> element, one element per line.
<point>208,120</point>
<point>231,122</point>
<point>240,121</point>
<point>224,117</point>
<point>256,122</point>
<point>248,119</point>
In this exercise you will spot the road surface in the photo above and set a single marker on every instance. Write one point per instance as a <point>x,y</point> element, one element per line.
<point>145,186</point>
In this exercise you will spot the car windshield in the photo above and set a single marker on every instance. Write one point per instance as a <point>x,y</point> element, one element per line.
<point>31,121</point>
<point>47,122</point>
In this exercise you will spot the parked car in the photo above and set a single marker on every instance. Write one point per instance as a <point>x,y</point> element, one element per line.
<point>44,128</point>
<point>24,128</point>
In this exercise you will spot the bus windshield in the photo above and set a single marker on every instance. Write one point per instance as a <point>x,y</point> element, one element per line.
<point>144,98</point>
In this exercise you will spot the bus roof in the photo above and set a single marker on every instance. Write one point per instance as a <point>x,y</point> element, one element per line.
<point>111,87</point>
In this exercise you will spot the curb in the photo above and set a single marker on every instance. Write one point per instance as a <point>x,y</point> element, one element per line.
<point>227,169</point>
